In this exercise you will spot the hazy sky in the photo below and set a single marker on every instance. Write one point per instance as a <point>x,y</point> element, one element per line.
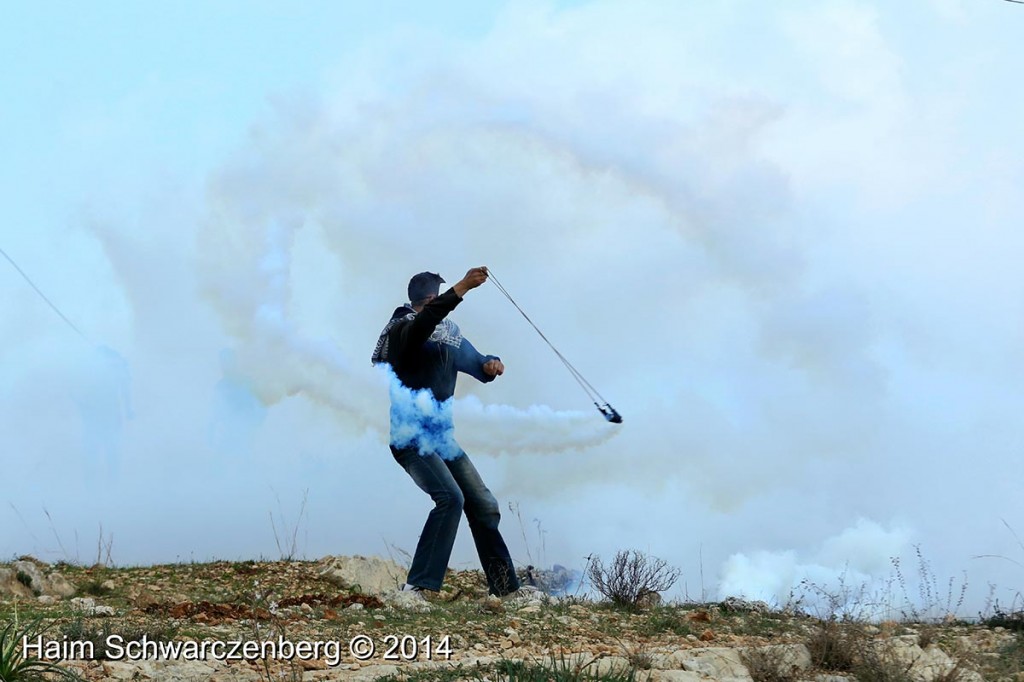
<point>781,238</point>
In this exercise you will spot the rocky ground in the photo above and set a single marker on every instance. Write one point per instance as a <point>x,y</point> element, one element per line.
<point>347,622</point>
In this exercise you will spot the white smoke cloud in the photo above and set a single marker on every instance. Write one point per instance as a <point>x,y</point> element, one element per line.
<point>252,294</point>
<point>779,240</point>
<point>851,573</point>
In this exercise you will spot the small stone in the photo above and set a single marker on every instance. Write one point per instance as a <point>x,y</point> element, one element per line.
<point>707,636</point>
<point>82,603</point>
<point>649,600</point>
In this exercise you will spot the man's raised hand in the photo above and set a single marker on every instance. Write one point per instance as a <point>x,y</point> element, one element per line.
<point>474,278</point>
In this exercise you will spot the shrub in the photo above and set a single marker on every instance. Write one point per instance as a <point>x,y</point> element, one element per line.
<point>24,578</point>
<point>833,647</point>
<point>631,577</point>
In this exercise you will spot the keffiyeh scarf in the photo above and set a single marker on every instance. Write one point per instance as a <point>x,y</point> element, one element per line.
<point>446,332</point>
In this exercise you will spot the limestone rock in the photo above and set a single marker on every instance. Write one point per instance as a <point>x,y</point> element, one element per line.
<point>369,575</point>
<point>609,665</point>
<point>924,665</point>
<point>411,601</point>
<point>742,605</point>
<point>675,676</point>
<point>87,606</point>
<point>649,600</point>
<point>720,663</point>
<point>29,578</point>
<point>786,658</point>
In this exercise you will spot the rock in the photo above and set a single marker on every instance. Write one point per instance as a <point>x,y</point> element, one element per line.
<point>411,601</point>
<point>88,607</point>
<point>85,604</point>
<point>525,596</point>
<point>610,665</point>
<point>790,658</point>
<point>144,599</point>
<point>579,660</point>
<point>923,665</point>
<point>27,578</point>
<point>649,600</point>
<point>675,676</point>
<point>662,661</point>
<point>58,586</point>
<point>736,604</point>
<point>369,575</point>
<point>719,664</point>
<point>178,671</point>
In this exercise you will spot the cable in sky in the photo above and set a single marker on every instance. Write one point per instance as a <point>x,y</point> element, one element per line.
<point>42,295</point>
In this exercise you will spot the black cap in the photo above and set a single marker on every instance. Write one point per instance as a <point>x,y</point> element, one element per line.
<point>423,285</point>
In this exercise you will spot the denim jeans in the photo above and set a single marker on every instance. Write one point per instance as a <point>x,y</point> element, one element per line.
<point>455,486</point>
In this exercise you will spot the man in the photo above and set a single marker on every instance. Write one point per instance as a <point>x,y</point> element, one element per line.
<point>425,351</point>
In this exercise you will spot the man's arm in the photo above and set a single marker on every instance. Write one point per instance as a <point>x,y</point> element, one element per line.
<point>416,333</point>
<point>482,367</point>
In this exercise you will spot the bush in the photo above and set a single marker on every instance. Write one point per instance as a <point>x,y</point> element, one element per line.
<point>631,577</point>
<point>24,578</point>
<point>833,647</point>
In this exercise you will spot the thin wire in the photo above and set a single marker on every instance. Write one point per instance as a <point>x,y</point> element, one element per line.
<point>580,379</point>
<point>42,295</point>
<point>587,387</point>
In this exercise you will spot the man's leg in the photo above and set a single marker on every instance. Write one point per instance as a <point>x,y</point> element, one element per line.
<point>434,548</point>
<point>482,512</point>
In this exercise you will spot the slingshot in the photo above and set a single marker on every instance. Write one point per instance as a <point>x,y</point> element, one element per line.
<point>609,412</point>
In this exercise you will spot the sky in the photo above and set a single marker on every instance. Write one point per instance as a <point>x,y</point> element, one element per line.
<point>778,237</point>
